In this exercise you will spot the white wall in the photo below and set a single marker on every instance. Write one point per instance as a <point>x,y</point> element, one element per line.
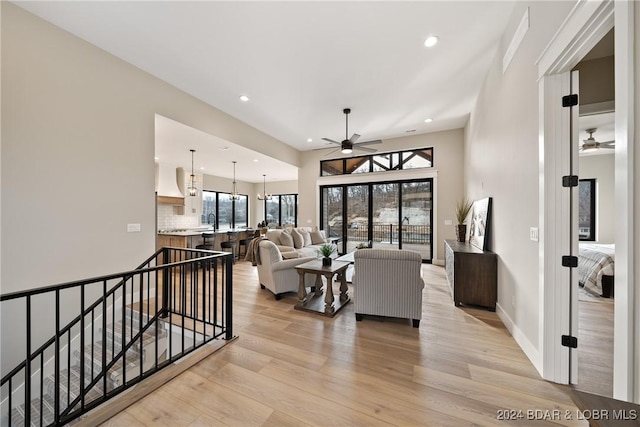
<point>447,155</point>
<point>501,161</point>
<point>601,168</point>
<point>77,153</point>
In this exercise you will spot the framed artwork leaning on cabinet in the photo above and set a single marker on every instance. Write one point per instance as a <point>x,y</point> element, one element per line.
<point>479,235</point>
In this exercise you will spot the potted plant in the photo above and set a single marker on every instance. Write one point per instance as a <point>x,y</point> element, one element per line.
<point>326,250</point>
<point>462,211</point>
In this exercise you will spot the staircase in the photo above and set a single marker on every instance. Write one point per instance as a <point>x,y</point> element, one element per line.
<point>139,358</point>
<point>87,341</point>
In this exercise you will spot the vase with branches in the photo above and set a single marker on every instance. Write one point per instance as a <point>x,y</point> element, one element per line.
<point>463,207</point>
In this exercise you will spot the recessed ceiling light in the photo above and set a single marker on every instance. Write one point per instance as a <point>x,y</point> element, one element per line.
<point>255,160</point>
<point>431,41</point>
<point>156,158</point>
<point>309,140</point>
<point>410,130</point>
<point>429,120</point>
<point>201,168</point>
<point>223,148</point>
<point>244,98</point>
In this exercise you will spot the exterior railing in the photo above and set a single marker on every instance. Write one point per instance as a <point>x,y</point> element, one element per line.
<point>388,233</point>
<point>78,344</point>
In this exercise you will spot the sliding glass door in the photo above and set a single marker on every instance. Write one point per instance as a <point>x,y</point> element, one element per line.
<point>387,215</point>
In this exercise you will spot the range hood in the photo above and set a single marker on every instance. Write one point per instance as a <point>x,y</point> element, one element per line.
<point>167,184</point>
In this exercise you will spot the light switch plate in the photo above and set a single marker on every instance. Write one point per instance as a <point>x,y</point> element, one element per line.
<point>448,222</point>
<point>533,233</point>
<point>133,228</point>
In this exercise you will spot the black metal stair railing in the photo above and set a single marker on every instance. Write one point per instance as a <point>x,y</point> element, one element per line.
<point>95,338</point>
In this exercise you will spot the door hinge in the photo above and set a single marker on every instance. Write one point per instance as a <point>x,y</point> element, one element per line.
<point>570,181</point>
<point>570,261</point>
<point>570,100</point>
<point>569,341</point>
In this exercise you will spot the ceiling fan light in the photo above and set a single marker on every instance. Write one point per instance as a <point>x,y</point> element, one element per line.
<point>347,150</point>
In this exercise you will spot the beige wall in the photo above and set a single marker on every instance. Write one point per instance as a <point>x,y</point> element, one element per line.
<point>601,168</point>
<point>448,156</point>
<point>77,153</point>
<point>501,161</point>
<point>597,83</point>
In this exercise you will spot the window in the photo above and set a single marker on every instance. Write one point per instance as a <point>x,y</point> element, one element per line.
<point>223,213</point>
<point>282,210</point>
<point>587,209</point>
<point>412,159</point>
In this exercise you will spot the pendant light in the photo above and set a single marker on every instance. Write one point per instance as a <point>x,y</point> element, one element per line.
<point>264,189</point>
<point>193,190</point>
<point>234,188</point>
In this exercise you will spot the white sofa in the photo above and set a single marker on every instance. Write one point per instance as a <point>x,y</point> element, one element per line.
<point>388,282</point>
<point>277,274</point>
<point>310,249</point>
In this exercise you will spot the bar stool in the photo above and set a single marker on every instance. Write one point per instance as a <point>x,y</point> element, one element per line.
<point>205,245</point>
<point>230,244</point>
<point>250,235</point>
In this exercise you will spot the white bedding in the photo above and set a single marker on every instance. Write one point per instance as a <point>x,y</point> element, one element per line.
<point>594,261</point>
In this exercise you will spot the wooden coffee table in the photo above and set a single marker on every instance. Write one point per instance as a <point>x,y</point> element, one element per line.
<point>330,305</point>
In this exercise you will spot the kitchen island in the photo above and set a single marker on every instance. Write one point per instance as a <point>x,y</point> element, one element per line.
<point>190,238</point>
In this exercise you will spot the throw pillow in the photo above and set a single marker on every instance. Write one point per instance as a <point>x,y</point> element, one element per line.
<point>286,239</point>
<point>306,238</point>
<point>317,238</point>
<point>298,241</point>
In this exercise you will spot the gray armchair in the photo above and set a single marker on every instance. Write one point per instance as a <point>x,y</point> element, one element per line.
<point>388,282</point>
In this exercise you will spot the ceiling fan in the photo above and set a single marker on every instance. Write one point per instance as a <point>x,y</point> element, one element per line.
<point>349,144</point>
<point>590,144</point>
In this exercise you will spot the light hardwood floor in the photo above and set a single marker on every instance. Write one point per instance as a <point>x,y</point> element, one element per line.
<point>595,346</point>
<point>293,368</point>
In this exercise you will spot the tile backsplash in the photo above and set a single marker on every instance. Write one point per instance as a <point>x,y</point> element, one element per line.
<point>169,220</point>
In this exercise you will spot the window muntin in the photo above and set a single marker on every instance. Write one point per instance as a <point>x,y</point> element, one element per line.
<point>282,209</point>
<point>587,209</point>
<point>380,162</point>
<point>223,213</point>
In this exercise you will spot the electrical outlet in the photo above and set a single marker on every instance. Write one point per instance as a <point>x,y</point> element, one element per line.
<point>533,233</point>
<point>133,228</point>
<point>513,301</point>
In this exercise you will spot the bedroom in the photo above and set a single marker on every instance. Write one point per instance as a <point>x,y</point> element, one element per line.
<point>596,222</point>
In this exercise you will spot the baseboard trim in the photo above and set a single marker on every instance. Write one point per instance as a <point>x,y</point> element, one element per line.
<point>438,262</point>
<point>527,347</point>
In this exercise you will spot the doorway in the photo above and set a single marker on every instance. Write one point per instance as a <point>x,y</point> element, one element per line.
<point>585,26</point>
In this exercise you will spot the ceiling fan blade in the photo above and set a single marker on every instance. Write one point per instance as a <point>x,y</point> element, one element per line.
<point>354,138</point>
<point>606,146</point>
<point>331,152</point>
<point>361,148</point>
<point>377,141</point>
<point>612,142</point>
<point>330,140</point>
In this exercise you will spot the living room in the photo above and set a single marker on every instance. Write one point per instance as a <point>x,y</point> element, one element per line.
<point>90,161</point>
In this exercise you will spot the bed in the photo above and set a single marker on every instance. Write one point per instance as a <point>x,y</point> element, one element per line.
<point>594,262</point>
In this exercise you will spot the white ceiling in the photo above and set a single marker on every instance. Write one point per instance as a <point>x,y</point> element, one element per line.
<point>302,62</point>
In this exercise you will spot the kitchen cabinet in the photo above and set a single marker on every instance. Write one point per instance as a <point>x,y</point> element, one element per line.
<point>169,240</point>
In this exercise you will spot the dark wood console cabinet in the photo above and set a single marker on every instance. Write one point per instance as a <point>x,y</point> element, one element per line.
<point>472,274</point>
